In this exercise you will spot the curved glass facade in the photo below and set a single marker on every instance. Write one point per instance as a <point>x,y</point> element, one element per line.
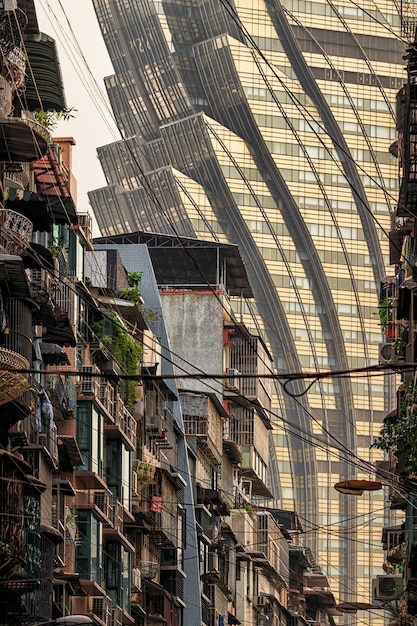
<point>268,125</point>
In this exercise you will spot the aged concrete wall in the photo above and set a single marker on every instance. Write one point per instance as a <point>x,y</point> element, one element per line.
<point>194,322</point>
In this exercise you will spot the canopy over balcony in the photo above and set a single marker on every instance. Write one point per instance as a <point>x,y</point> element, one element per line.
<point>22,140</point>
<point>45,69</point>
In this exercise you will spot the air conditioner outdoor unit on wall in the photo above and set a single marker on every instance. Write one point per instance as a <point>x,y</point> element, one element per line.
<point>233,380</point>
<point>386,353</point>
<point>387,587</point>
<point>88,381</point>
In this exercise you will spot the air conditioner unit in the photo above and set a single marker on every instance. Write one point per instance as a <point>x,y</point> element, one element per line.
<point>386,353</point>
<point>213,562</point>
<point>134,484</point>
<point>387,587</point>
<point>233,380</point>
<point>101,608</point>
<point>88,383</point>
<point>136,581</point>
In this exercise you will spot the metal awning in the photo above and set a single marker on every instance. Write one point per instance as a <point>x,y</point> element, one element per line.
<point>316,579</point>
<point>129,310</point>
<point>52,534</point>
<point>72,450</point>
<point>22,140</point>
<point>45,69</point>
<point>51,184</point>
<point>52,354</point>
<point>12,274</point>
<point>31,205</point>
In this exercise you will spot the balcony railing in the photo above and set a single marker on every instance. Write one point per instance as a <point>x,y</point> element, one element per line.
<point>116,514</point>
<point>144,471</point>
<point>15,232</point>
<point>125,421</point>
<point>96,498</point>
<point>65,296</point>
<point>148,569</point>
<point>202,420</point>
<point>12,384</point>
<point>41,284</point>
<point>116,616</point>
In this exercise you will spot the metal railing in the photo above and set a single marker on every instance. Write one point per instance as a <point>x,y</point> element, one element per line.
<point>125,420</point>
<point>15,232</point>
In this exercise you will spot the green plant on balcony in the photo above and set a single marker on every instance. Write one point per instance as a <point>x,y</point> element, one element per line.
<point>397,433</point>
<point>385,313</point>
<point>57,245</point>
<point>71,522</point>
<point>50,119</point>
<point>145,471</point>
<point>5,549</point>
<point>133,294</point>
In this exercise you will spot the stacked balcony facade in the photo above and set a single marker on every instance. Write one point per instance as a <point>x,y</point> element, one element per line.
<point>398,301</point>
<point>245,555</point>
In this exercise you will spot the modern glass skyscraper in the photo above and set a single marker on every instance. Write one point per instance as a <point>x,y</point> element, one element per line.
<point>268,124</point>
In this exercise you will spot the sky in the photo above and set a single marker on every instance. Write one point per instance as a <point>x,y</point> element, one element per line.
<point>84,63</point>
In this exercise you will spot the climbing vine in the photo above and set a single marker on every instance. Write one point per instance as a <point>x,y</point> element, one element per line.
<point>126,350</point>
<point>398,434</point>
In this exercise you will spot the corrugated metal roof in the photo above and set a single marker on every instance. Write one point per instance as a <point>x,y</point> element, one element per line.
<point>186,262</point>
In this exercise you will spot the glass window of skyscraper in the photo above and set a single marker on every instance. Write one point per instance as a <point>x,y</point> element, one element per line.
<point>268,125</point>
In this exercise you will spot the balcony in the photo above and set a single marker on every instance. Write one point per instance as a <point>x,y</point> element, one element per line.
<point>64,296</point>
<point>270,547</point>
<point>148,569</point>
<point>393,541</point>
<point>12,384</point>
<point>41,284</point>
<point>248,357</point>
<point>98,501</point>
<point>5,97</point>
<point>51,182</point>
<point>202,420</point>
<point>59,327</point>
<point>62,394</point>
<point>145,472</point>
<point>48,441</point>
<point>12,522</point>
<point>106,399</point>
<point>15,232</point>
<point>244,528</point>
<point>114,531</point>
<point>124,425</point>
<point>173,581</point>
<point>204,522</point>
<point>120,617</point>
